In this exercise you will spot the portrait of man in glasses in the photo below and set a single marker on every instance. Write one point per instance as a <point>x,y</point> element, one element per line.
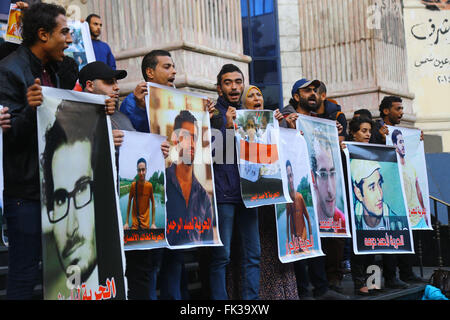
<point>69,190</point>
<point>331,218</point>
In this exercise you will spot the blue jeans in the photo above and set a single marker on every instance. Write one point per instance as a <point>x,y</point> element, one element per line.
<point>23,218</point>
<point>247,224</point>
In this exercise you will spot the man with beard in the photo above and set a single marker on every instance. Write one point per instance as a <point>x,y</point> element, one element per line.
<point>187,200</point>
<point>305,101</point>
<point>231,209</point>
<point>102,50</point>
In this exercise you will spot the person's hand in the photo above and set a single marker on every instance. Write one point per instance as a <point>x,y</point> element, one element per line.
<point>421,135</point>
<point>110,104</point>
<point>339,127</point>
<point>34,94</point>
<point>21,5</point>
<point>126,227</point>
<point>165,147</point>
<point>384,130</point>
<point>117,137</point>
<point>291,119</point>
<point>5,119</point>
<point>139,94</point>
<point>210,108</point>
<point>278,115</point>
<point>230,116</point>
<point>343,145</point>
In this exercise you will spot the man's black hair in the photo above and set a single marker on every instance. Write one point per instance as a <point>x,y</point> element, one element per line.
<point>142,160</point>
<point>150,60</point>
<point>226,69</point>
<point>92,15</point>
<point>37,16</point>
<point>363,112</point>
<point>386,103</point>
<point>184,116</point>
<point>395,135</point>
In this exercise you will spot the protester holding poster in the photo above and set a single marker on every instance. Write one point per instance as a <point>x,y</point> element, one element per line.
<point>411,153</point>
<point>80,211</point>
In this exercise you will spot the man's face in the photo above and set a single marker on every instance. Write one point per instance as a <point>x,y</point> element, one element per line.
<point>395,113</point>
<point>372,196</point>
<point>75,233</point>
<point>58,40</point>
<point>100,86</point>
<point>187,138</point>
<point>231,86</point>
<point>164,72</point>
<point>400,145</point>
<point>325,182</point>
<point>290,176</point>
<point>95,26</point>
<point>141,170</point>
<point>307,97</point>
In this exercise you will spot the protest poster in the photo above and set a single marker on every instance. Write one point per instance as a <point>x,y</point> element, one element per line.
<point>14,29</point>
<point>263,178</point>
<point>81,49</point>
<point>297,226</point>
<point>411,156</point>
<point>321,137</point>
<point>142,190</point>
<point>82,241</point>
<point>190,204</point>
<point>377,202</point>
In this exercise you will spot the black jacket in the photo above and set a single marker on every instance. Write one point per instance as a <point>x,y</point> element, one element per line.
<point>20,145</point>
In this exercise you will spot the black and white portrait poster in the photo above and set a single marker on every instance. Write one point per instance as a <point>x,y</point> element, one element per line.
<point>378,205</point>
<point>83,257</point>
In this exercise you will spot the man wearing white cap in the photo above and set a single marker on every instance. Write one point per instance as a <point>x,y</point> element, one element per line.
<point>371,212</point>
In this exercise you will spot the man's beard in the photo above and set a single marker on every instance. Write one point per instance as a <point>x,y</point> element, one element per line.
<point>306,106</point>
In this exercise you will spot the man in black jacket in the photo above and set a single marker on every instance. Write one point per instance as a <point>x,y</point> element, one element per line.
<point>45,37</point>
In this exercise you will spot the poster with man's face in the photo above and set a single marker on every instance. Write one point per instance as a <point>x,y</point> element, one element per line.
<point>81,49</point>
<point>82,230</point>
<point>142,190</point>
<point>321,136</point>
<point>263,178</point>
<point>190,204</point>
<point>378,205</point>
<point>14,29</point>
<point>297,225</point>
<point>411,156</point>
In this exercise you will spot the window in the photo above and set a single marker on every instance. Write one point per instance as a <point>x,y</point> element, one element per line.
<point>261,42</point>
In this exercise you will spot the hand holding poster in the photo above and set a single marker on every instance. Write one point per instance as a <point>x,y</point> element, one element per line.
<point>411,155</point>
<point>328,181</point>
<point>378,206</point>
<point>297,227</point>
<point>263,179</point>
<point>142,191</point>
<point>82,232</point>
<point>190,204</point>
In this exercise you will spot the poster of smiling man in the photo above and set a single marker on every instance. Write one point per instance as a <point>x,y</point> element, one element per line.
<point>297,227</point>
<point>411,155</point>
<point>82,231</point>
<point>142,192</point>
<point>190,205</point>
<point>321,137</point>
<point>378,204</point>
<point>263,178</point>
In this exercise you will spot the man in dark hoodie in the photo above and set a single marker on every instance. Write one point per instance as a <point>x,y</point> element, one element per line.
<point>230,85</point>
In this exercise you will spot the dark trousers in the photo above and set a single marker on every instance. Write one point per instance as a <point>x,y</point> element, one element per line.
<point>404,263</point>
<point>141,272</point>
<point>173,279</point>
<point>334,251</point>
<point>359,264</point>
<point>23,218</point>
<point>315,275</point>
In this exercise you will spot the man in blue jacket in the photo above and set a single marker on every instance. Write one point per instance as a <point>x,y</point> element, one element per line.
<point>230,85</point>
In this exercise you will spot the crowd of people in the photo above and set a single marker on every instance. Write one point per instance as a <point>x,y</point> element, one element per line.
<point>246,265</point>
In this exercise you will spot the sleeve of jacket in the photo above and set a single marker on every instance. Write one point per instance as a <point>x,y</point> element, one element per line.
<point>13,95</point>
<point>137,116</point>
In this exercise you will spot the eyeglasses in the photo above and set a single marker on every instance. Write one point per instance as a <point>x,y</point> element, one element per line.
<point>81,194</point>
<point>324,175</point>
